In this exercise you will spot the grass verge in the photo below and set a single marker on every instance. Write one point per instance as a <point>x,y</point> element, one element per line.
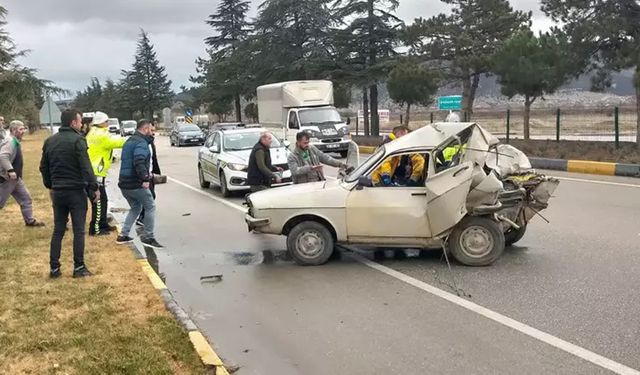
<point>112,323</point>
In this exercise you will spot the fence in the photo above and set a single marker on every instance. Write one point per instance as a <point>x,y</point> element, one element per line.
<point>604,124</point>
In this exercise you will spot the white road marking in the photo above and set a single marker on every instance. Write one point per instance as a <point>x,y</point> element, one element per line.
<point>596,182</point>
<point>544,337</point>
<point>201,192</point>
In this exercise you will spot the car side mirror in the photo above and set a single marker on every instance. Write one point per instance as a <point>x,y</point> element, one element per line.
<point>348,122</point>
<point>215,149</point>
<point>364,181</point>
<point>286,143</point>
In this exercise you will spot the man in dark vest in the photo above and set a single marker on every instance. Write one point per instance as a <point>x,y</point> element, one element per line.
<point>261,172</point>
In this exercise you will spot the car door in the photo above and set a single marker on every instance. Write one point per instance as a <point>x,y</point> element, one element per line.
<point>387,214</point>
<point>447,193</point>
<point>214,160</point>
<point>205,156</point>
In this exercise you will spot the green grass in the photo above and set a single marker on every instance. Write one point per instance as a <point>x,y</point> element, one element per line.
<point>112,323</point>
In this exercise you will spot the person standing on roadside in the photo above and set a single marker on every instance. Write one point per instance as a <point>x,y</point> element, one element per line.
<point>67,173</point>
<point>305,162</point>
<point>134,183</point>
<point>260,172</point>
<point>155,169</point>
<point>11,166</point>
<point>101,145</point>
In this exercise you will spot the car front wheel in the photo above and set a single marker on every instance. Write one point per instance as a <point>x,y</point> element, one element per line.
<point>203,181</point>
<point>224,188</point>
<point>476,241</point>
<point>310,243</point>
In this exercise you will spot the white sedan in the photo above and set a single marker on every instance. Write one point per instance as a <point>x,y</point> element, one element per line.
<point>224,159</point>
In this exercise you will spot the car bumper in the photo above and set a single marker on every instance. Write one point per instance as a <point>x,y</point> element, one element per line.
<point>237,180</point>
<point>191,141</point>
<point>332,147</point>
<point>255,224</point>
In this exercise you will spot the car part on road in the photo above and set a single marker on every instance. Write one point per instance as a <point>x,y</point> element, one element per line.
<point>310,243</point>
<point>476,241</point>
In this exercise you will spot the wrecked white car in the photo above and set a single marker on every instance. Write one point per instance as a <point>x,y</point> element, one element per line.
<point>475,197</point>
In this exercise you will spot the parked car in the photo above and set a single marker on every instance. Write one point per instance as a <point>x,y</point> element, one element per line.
<point>128,128</point>
<point>114,125</point>
<point>224,159</point>
<point>186,134</point>
<point>461,204</point>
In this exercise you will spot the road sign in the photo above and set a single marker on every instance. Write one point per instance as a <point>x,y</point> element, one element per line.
<point>189,116</point>
<point>452,102</point>
<point>188,113</point>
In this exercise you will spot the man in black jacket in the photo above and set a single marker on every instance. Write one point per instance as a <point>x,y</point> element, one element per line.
<point>135,177</point>
<point>155,169</point>
<point>67,173</point>
<point>260,171</point>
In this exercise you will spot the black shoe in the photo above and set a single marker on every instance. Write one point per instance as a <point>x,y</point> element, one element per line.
<point>151,242</point>
<point>35,223</point>
<point>55,273</point>
<point>102,232</point>
<point>121,240</point>
<point>140,223</point>
<point>81,272</point>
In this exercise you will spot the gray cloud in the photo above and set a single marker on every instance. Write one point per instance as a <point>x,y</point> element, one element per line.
<point>73,40</point>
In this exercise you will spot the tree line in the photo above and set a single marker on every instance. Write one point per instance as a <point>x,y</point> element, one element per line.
<point>361,44</point>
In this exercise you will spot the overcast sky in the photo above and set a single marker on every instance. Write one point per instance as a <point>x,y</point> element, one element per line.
<point>74,40</point>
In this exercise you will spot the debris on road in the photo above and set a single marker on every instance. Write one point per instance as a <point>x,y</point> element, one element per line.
<point>213,278</point>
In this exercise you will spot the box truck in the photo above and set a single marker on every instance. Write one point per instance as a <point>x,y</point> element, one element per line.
<point>287,108</point>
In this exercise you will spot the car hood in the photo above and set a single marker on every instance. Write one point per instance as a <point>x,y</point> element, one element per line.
<point>278,156</point>
<point>323,194</point>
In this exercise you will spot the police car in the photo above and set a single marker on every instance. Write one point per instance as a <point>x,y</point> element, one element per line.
<point>224,158</point>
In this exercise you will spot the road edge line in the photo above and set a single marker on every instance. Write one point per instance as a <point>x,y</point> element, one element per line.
<point>200,344</point>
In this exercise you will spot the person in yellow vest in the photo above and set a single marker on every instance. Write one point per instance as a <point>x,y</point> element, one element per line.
<point>389,172</point>
<point>101,145</point>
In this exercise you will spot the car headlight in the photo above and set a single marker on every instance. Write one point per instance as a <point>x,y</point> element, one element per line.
<point>237,167</point>
<point>183,136</point>
<point>343,131</point>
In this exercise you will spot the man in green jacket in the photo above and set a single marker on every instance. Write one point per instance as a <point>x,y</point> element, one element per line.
<point>101,145</point>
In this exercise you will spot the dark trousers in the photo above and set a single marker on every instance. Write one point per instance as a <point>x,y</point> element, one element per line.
<point>67,202</point>
<point>152,188</point>
<point>99,211</point>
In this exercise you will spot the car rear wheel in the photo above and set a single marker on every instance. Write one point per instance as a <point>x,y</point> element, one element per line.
<point>203,181</point>
<point>224,188</point>
<point>310,243</point>
<point>476,241</point>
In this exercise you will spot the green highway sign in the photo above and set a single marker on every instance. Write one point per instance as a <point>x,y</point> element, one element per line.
<point>452,102</point>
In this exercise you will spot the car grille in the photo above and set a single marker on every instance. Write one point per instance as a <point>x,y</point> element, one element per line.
<point>283,166</point>
<point>332,140</point>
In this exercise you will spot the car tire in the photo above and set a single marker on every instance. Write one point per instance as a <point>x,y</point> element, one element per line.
<point>203,181</point>
<point>224,188</point>
<point>476,241</point>
<point>310,243</point>
<point>513,235</point>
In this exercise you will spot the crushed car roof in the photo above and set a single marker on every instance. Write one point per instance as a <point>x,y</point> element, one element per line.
<point>433,135</point>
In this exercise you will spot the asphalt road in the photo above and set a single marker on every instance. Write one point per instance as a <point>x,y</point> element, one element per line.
<point>564,301</point>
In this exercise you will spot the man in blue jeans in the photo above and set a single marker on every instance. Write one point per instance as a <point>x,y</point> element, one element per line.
<point>134,183</point>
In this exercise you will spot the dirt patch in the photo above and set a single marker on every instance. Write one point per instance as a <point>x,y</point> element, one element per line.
<point>628,153</point>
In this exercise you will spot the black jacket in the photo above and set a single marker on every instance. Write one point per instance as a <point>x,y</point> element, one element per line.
<point>154,158</point>
<point>257,176</point>
<point>65,163</point>
<point>135,162</point>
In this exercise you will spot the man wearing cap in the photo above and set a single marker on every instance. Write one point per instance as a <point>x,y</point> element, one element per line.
<point>101,145</point>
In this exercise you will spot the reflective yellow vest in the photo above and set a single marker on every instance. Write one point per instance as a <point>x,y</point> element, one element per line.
<point>101,145</point>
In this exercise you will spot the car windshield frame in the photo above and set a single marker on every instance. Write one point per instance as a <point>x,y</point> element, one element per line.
<point>129,124</point>
<point>362,168</point>
<point>188,128</point>
<point>113,122</point>
<point>275,143</point>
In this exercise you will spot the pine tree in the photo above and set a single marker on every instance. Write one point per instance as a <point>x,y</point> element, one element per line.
<point>225,71</point>
<point>464,41</point>
<point>374,34</point>
<point>410,83</point>
<point>147,86</point>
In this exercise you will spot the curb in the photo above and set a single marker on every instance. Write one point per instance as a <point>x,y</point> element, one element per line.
<point>574,166</point>
<point>205,351</point>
